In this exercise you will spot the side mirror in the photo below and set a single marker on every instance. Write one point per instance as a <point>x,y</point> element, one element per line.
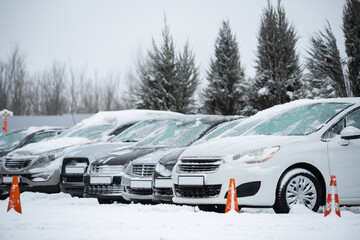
<point>349,133</point>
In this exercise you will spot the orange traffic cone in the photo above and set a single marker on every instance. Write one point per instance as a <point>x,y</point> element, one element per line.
<point>332,201</point>
<point>231,202</point>
<point>14,200</point>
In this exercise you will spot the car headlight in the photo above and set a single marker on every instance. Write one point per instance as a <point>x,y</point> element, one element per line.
<point>127,168</point>
<point>163,170</point>
<point>50,156</point>
<point>256,156</point>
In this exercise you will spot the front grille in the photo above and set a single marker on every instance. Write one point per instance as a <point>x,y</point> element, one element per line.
<point>101,190</point>
<point>106,169</point>
<point>15,164</point>
<point>143,170</point>
<point>163,192</point>
<point>198,191</point>
<point>189,165</point>
<point>139,191</point>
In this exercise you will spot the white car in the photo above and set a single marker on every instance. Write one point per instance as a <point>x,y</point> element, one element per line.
<point>284,160</point>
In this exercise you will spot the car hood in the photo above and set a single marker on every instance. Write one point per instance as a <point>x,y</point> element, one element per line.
<point>234,145</point>
<point>47,146</point>
<point>95,150</point>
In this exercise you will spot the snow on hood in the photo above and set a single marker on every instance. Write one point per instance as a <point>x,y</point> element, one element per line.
<point>47,146</point>
<point>234,145</point>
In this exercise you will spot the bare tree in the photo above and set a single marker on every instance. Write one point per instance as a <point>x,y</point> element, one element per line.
<point>53,90</point>
<point>12,82</point>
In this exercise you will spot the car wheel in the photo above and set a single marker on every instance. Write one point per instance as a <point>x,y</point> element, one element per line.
<point>4,195</point>
<point>212,208</point>
<point>105,201</point>
<point>298,186</point>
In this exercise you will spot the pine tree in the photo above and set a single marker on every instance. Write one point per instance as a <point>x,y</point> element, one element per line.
<point>326,77</point>
<point>351,28</point>
<point>224,94</point>
<point>187,81</point>
<point>167,82</point>
<point>278,71</point>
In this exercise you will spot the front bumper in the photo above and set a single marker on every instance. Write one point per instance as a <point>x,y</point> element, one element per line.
<point>137,188</point>
<point>255,185</point>
<point>111,190</point>
<point>30,182</point>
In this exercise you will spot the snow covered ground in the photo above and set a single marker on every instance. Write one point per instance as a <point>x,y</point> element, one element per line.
<point>58,216</point>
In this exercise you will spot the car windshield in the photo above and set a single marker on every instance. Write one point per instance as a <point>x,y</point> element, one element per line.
<point>300,120</point>
<point>242,127</point>
<point>220,130</point>
<point>91,132</point>
<point>139,131</point>
<point>7,140</point>
<point>176,134</point>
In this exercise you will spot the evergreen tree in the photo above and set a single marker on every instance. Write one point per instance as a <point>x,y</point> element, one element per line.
<point>351,28</point>
<point>278,71</point>
<point>224,94</point>
<point>326,77</point>
<point>167,82</point>
<point>187,81</point>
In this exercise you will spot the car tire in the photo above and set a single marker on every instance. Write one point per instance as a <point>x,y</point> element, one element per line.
<point>298,186</point>
<point>4,195</point>
<point>212,208</point>
<point>105,201</point>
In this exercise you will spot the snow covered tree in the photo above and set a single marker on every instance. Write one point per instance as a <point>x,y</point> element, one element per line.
<point>278,71</point>
<point>225,92</point>
<point>187,80</point>
<point>167,82</point>
<point>351,28</point>
<point>326,77</point>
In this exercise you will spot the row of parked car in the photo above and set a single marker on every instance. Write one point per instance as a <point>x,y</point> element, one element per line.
<point>279,157</point>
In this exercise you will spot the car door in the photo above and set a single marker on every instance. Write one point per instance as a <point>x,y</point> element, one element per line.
<point>344,159</point>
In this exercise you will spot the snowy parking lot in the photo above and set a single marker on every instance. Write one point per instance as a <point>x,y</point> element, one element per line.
<point>59,216</point>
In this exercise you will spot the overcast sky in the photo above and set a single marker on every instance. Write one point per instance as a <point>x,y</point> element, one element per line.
<point>107,35</point>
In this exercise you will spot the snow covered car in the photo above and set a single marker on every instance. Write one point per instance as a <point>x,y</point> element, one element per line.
<point>162,183</point>
<point>284,160</point>
<point>105,179</point>
<point>15,139</point>
<point>38,164</point>
<point>76,161</point>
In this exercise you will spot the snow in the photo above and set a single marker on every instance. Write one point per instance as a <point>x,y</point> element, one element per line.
<point>58,216</point>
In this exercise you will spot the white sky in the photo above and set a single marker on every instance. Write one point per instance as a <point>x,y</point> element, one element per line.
<point>106,35</point>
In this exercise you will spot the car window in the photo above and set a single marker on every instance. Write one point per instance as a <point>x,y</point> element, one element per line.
<point>90,132</point>
<point>138,131</point>
<point>220,130</point>
<point>7,140</point>
<point>176,134</point>
<point>39,137</point>
<point>300,120</point>
<point>352,119</point>
<point>242,127</point>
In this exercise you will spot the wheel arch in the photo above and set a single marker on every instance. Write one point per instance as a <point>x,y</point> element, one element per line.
<point>314,170</point>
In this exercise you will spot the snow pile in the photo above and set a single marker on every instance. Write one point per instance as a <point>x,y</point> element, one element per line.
<point>58,216</point>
